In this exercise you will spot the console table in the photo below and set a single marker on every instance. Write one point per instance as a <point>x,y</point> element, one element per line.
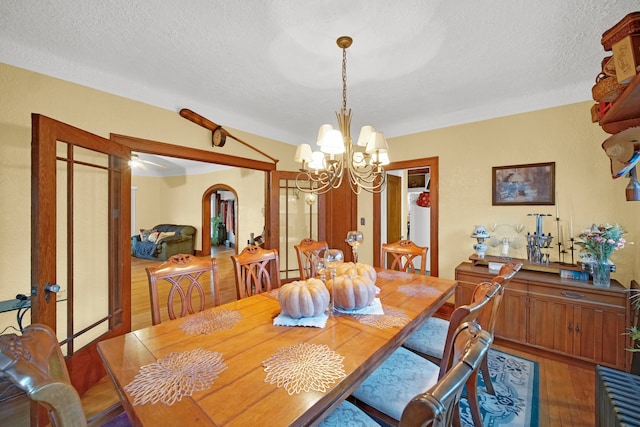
<point>568,317</point>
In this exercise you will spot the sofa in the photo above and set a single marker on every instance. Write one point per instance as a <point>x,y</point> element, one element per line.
<point>163,241</point>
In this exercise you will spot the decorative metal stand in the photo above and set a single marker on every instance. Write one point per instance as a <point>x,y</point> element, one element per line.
<point>537,242</point>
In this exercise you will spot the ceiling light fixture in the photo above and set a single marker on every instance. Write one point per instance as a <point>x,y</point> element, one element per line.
<point>323,170</point>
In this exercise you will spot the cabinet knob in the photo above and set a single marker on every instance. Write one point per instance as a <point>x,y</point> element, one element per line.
<point>577,329</point>
<point>570,328</point>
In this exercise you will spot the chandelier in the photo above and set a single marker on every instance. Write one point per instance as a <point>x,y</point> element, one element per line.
<point>324,170</point>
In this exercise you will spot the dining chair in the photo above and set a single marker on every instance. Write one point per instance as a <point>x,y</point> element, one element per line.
<point>430,339</point>
<point>306,250</point>
<point>438,406</point>
<point>34,362</point>
<point>401,255</point>
<point>405,373</point>
<point>185,274</point>
<point>256,270</point>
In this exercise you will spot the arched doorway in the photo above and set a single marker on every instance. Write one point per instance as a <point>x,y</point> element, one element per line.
<point>219,209</point>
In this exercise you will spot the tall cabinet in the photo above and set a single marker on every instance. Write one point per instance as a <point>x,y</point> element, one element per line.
<point>567,317</point>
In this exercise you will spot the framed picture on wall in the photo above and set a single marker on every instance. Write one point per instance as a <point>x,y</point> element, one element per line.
<point>532,184</point>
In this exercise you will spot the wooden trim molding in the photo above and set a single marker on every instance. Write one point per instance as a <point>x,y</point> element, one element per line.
<point>171,150</point>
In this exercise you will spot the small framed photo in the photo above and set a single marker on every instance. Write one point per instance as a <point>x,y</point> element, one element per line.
<point>532,184</point>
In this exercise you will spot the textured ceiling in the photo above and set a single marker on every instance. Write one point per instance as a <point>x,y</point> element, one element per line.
<point>272,67</point>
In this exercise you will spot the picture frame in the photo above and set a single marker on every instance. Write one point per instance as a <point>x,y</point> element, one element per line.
<point>529,184</point>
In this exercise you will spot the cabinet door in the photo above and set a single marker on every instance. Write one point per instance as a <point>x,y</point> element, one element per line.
<point>464,293</point>
<point>598,335</point>
<point>551,324</point>
<point>511,322</point>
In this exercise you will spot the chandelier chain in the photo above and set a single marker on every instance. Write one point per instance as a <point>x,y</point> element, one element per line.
<point>344,78</point>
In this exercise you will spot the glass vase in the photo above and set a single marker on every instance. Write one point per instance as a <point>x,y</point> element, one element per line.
<point>601,274</point>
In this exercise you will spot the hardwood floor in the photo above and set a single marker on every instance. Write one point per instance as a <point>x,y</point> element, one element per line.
<point>566,389</point>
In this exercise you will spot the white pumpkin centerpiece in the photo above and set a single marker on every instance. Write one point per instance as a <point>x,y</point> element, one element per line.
<point>357,269</point>
<point>353,287</point>
<point>303,298</point>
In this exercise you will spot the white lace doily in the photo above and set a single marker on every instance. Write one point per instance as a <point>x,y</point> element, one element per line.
<point>208,321</point>
<point>304,367</point>
<point>177,375</point>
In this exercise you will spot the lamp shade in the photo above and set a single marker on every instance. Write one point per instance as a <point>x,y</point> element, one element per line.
<point>322,132</point>
<point>317,161</point>
<point>303,153</point>
<point>377,143</point>
<point>365,134</point>
<point>332,143</point>
<point>381,158</point>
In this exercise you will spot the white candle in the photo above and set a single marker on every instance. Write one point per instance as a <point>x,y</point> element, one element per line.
<point>571,223</point>
<point>557,207</point>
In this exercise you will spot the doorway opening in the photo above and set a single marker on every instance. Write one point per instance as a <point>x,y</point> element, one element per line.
<point>417,184</point>
<point>219,219</point>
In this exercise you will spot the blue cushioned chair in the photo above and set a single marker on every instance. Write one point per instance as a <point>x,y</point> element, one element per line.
<point>429,340</point>
<point>439,405</point>
<point>386,392</point>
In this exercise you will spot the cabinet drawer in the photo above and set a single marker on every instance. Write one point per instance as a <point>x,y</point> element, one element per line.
<point>578,295</point>
<point>474,279</point>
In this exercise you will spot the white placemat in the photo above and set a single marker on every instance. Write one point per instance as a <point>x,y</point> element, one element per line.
<point>315,322</point>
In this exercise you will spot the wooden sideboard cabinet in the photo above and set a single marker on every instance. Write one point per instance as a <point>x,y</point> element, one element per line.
<point>567,317</point>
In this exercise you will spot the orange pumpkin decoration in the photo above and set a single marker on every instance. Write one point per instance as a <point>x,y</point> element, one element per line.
<point>304,298</point>
<point>352,292</point>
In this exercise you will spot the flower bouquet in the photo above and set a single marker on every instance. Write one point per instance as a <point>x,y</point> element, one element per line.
<point>598,244</point>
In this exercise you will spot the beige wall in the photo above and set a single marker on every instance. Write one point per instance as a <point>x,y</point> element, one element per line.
<point>467,153</point>
<point>564,135</point>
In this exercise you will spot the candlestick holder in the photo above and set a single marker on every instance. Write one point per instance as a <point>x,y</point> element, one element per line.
<point>560,251</point>
<point>572,248</point>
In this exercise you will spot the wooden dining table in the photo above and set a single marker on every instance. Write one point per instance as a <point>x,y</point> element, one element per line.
<point>240,396</point>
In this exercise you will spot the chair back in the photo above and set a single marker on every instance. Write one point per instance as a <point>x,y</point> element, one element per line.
<point>402,254</point>
<point>486,297</point>
<point>185,275</point>
<point>439,404</point>
<point>35,364</point>
<point>253,270</point>
<point>509,269</point>
<point>306,252</point>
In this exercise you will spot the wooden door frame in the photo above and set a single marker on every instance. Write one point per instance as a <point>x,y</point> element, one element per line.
<point>274,196</point>
<point>432,163</point>
<point>46,133</point>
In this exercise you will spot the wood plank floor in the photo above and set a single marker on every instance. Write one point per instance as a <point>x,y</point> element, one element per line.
<point>566,390</point>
